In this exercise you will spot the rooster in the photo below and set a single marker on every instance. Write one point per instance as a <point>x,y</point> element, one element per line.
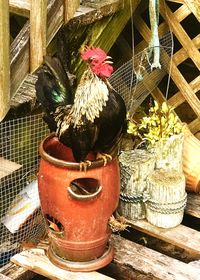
<point>95,120</point>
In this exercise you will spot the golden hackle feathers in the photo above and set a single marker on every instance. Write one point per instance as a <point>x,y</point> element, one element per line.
<point>90,98</point>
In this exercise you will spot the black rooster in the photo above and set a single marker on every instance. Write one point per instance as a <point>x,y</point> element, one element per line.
<point>95,119</point>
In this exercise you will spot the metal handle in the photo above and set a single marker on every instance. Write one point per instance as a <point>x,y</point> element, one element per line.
<point>84,197</point>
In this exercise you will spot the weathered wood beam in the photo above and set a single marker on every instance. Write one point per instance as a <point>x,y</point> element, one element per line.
<point>176,1</point>
<point>20,47</point>
<point>19,52</point>
<point>3,277</point>
<point>7,167</point>
<point>25,94</point>
<point>87,15</point>
<point>70,8</point>
<point>20,7</point>
<point>130,260</point>
<point>4,59</point>
<point>36,259</point>
<point>150,263</point>
<point>193,204</point>
<point>180,236</point>
<point>38,19</point>
<point>15,272</point>
<point>19,58</point>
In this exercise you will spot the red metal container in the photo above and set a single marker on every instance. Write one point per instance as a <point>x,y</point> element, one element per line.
<point>77,205</point>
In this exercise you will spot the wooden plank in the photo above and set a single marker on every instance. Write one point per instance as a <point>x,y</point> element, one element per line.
<point>194,6</point>
<point>182,12</point>
<point>176,1</point>
<point>20,7</point>
<point>4,59</point>
<point>194,126</point>
<point>178,98</point>
<point>7,167</point>
<point>38,18</point>
<point>193,205</point>
<point>16,272</point>
<point>70,8</point>
<point>182,55</point>
<point>19,55</point>
<point>36,260</point>
<point>20,47</point>
<point>185,89</point>
<point>3,277</point>
<point>181,236</point>
<point>195,263</point>
<point>151,263</point>
<point>83,16</point>
<point>26,93</point>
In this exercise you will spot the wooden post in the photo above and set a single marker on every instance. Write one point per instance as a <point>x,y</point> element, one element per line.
<point>38,17</point>
<point>69,9</point>
<point>4,59</point>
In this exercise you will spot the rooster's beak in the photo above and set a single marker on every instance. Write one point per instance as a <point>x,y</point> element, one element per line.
<point>107,61</point>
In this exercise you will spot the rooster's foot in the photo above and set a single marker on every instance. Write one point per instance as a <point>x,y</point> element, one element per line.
<point>84,165</point>
<point>105,157</point>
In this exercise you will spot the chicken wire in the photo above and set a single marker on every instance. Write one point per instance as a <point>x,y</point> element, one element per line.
<point>21,220</point>
<point>135,79</point>
<point>19,141</point>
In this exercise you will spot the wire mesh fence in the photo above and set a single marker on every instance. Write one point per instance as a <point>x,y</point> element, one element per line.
<point>20,216</point>
<point>136,79</point>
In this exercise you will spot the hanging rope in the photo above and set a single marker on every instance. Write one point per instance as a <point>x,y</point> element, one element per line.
<point>154,42</point>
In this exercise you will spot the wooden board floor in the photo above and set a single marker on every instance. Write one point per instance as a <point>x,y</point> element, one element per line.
<point>7,167</point>
<point>132,260</point>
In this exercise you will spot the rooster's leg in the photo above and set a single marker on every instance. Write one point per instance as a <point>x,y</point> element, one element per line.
<point>104,156</point>
<point>84,165</point>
